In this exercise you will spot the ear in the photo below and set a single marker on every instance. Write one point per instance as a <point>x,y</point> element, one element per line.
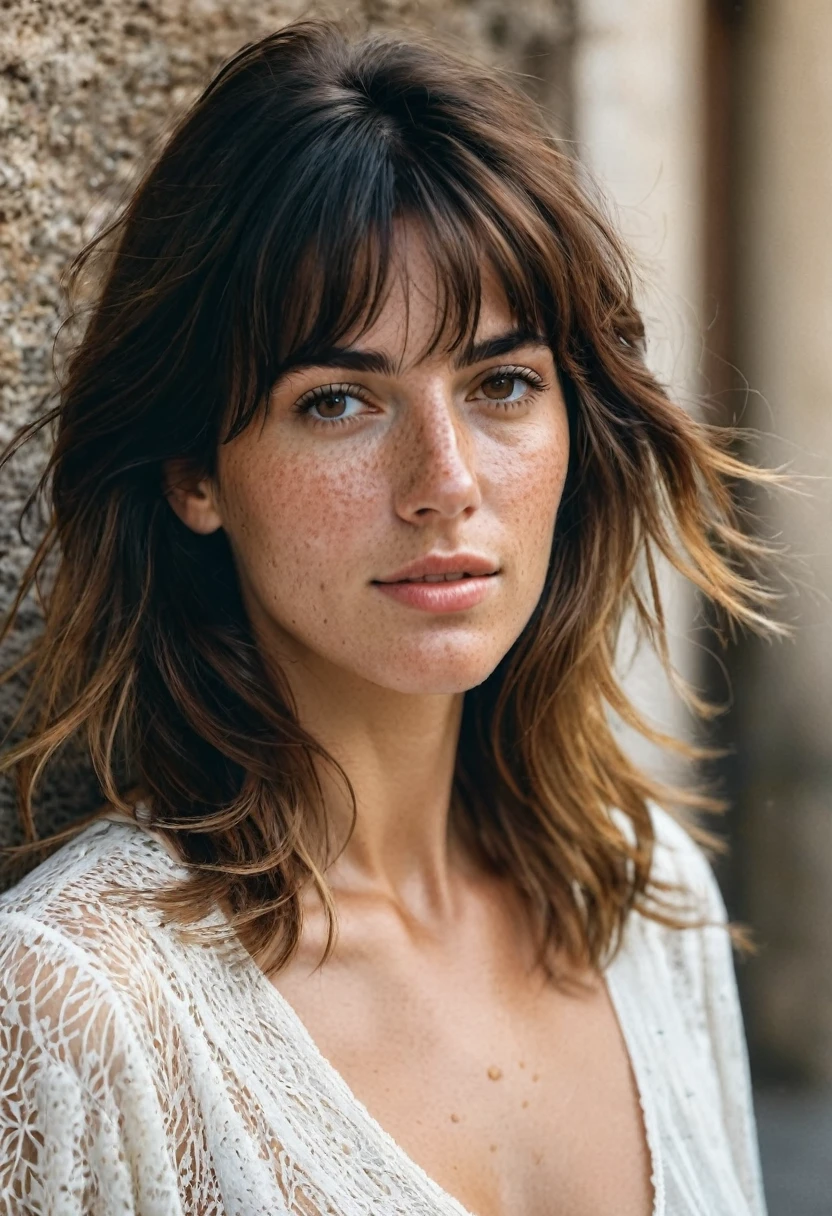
<point>191,495</point>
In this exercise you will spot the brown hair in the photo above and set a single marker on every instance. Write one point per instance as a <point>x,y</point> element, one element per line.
<point>262,233</point>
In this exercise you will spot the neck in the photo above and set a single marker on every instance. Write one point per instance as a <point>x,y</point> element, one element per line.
<point>399,752</point>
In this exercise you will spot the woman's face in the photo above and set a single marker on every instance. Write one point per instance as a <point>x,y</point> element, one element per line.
<point>382,458</point>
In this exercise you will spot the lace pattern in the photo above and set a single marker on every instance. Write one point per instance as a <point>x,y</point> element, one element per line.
<point>145,1076</point>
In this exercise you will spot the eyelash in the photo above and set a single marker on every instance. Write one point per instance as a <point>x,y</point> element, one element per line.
<point>308,400</point>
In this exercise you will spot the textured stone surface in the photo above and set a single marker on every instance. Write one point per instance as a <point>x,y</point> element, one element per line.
<point>86,88</point>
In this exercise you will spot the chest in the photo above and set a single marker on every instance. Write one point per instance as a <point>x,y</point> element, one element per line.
<point>511,1094</point>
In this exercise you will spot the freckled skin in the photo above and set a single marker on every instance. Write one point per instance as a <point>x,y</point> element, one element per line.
<point>314,514</point>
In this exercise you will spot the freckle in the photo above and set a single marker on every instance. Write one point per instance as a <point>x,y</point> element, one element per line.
<point>535,1077</point>
<point>454,1118</point>
<point>492,1148</point>
<point>522,1063</point>
<point>525,1102</point>
<point>495,1073</point>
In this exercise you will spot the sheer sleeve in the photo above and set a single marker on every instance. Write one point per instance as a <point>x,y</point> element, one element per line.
<point>82,1132</point>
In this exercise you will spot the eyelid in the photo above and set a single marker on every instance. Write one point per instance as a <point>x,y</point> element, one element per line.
<point>326,390</point>
<point>509,368</point>
<point>533,378</point>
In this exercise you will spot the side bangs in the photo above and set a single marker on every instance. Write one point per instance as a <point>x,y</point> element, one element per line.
<point>344,229</point>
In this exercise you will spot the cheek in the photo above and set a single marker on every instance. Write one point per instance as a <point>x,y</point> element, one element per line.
<point>529,483</point>
<point>301,514</point>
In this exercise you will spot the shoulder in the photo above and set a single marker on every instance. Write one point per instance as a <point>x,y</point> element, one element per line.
<point>84,977</point>
<point>681,862</point>
<point>691,963</point>
<point>63,941</point>
<point>87,1032</point>
<point>58,949</point>
<point>676,954</point>
<point>77,874</point>
<point>678,995</point>
<point>691,959</point>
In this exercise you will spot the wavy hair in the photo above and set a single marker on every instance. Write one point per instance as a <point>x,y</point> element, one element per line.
<point>260,234</point>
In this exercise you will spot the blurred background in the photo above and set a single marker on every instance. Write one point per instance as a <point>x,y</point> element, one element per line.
<point>708,126</point>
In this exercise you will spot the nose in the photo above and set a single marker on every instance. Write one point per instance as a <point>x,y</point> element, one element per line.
<point>436,475</point>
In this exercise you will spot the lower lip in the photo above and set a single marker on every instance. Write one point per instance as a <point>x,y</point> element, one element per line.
<point>441,597</point>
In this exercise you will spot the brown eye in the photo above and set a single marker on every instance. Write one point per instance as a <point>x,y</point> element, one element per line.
<point>497,388</point>
<point>331,406</point>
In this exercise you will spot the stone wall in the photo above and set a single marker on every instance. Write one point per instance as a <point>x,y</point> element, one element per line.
<point>87,87</point>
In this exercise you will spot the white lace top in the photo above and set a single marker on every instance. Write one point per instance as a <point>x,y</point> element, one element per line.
<point>142,1075</point>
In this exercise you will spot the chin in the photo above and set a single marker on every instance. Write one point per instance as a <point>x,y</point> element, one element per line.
<point>453,670</point>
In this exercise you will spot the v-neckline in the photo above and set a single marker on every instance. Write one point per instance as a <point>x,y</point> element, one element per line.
<point>400,1154</point>
<point>271,994</point>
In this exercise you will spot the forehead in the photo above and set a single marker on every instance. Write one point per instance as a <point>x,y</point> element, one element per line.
<point>407,324</point>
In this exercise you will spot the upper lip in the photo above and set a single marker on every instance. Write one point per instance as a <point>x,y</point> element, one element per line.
<point>443,563</point>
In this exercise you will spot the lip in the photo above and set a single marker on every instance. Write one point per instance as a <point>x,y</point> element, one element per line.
<point>441,597</point>
<point>473,564</point>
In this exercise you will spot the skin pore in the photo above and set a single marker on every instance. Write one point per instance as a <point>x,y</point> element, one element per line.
<point>505,1090</point>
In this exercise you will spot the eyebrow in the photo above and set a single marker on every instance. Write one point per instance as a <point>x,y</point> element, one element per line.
<point>379,362</point>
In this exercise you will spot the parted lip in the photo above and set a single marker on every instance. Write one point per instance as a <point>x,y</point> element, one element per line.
<point>443,563</point>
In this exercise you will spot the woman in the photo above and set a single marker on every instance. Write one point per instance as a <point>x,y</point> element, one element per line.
<point>358,467</point>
